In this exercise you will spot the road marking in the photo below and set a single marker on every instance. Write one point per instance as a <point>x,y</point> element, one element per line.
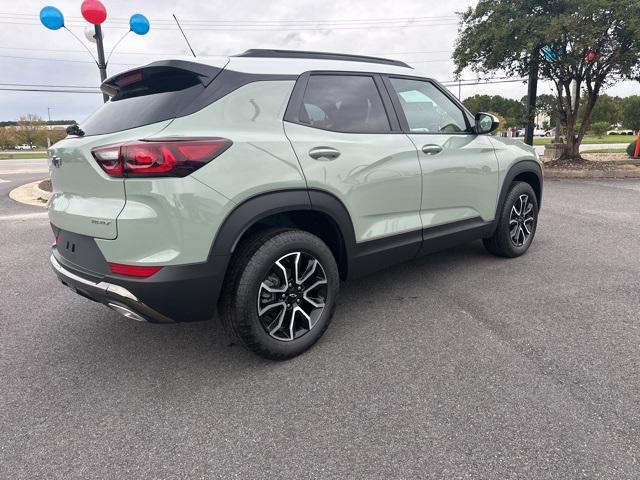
<point>21,172</point>
<point>2,180</point>
<point>24,216</point>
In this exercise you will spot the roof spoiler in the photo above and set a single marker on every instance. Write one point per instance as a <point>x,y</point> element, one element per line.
<point>115,84</point>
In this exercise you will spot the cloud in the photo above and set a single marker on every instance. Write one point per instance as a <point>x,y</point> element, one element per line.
<point>55,58</point>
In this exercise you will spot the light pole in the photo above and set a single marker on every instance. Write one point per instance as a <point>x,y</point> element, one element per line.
<point>95,13</point>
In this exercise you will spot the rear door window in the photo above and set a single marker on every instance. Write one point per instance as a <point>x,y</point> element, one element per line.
<point>344,103</point>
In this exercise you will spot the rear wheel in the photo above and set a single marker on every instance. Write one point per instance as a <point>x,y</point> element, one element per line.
<point>280,293</point>
<point>517,222</point>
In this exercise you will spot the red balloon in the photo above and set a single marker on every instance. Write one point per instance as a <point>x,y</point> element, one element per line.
<point>93,11</point>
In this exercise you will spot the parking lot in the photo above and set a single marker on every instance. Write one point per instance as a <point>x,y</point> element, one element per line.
<point>457,365</point>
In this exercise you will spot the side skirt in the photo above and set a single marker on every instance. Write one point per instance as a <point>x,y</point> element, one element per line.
<point>374,255</point>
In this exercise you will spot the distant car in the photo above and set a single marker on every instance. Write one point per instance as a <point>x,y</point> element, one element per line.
<point>537,132</point>
<point>620,132</point>
<point>24,146</point>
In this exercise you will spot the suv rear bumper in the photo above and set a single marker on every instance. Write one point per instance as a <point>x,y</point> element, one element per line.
<point>114,296</point>
<point>175,294</point>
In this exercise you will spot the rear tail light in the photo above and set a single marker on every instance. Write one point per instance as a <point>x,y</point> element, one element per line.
<point>158,158</point>
<point>133,270</point>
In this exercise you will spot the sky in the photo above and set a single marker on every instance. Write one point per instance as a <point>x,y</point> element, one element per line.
<point>422,33</point>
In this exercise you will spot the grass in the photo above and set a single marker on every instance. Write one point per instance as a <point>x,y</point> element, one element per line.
<point>591,139</point>
<point>19,155</point>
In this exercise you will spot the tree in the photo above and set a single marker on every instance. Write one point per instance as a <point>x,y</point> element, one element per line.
<point>596,43</point>
<point>600,128</point>
<point>607,109</point>
<point>511,110</point>
<point>631,113</point>
<point>29,129</point>
<point>7,138</point>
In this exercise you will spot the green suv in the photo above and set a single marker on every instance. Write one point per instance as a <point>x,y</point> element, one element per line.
<point>254,184</point>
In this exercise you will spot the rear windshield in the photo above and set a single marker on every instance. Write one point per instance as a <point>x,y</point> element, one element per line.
<point>143,97</point>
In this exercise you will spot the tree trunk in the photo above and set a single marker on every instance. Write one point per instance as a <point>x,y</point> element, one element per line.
<point>572,150</point>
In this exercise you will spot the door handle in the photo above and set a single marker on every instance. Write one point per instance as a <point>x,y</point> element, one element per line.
<point>324,153</point>
<point>431,149</point>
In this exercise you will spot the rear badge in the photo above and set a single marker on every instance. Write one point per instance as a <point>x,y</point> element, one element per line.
<point>97,221</point>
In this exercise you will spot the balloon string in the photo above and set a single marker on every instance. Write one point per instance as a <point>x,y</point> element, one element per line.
<point>81,43</point>
<point>117,43</point>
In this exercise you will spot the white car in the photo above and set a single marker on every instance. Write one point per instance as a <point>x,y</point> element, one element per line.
<point>537,132</point>
<point>24,146</point>
<point>620,132</point>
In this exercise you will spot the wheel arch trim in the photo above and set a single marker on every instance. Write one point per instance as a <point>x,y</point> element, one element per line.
<point>264,205</point>
<point>519,167</point>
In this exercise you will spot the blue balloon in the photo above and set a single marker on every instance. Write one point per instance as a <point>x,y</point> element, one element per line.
<point>139,24</point>
<point>51,18</point>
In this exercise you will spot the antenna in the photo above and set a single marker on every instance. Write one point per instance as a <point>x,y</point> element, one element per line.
<point>185,37</point>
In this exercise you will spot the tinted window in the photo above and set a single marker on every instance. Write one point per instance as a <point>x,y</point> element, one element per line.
<point>349,103</point>
<point>427,109</point>
<point>145,96</point>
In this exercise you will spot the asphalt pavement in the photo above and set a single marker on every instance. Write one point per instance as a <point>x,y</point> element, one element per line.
<point>457,365</point>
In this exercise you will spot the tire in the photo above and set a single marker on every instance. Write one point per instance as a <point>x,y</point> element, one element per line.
<point>504,242</point>
<point>253,300</point>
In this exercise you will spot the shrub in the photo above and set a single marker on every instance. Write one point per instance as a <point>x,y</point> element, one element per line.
<point>600,128</point>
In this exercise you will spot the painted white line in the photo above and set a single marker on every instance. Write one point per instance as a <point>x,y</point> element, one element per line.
<point>20,172</point>
<point>24,216</point>
<point>2,180</point>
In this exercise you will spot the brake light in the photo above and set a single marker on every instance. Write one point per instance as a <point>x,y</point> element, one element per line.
<point>133,270</point>
<point>157,158</point>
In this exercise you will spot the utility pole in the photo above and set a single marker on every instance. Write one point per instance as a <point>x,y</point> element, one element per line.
<point>102,64</point>
<point>48,126</point>
<point>532,94</point>
<point>459,88</point>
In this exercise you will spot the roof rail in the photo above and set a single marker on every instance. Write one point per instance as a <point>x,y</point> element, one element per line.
<point>265,53</point>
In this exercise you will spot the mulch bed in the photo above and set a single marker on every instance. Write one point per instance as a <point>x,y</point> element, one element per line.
<point>596,165</point>
<point>45,185</point>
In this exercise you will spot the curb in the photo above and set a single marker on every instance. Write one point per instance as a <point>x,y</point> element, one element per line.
<point>31,194</point>
<point>589,174</point>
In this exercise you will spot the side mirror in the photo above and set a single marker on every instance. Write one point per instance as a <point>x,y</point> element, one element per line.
<point>486,123</point>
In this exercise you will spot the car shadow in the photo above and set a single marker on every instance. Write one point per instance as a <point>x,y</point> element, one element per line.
<point>114,343</point>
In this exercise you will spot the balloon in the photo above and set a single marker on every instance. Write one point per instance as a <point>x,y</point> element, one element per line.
<point>51,18</point>
<point>139,24</point>
<point>93,11</point>
<point>90,33</point>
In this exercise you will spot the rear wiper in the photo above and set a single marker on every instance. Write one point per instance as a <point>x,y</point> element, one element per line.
<point>75,130</point>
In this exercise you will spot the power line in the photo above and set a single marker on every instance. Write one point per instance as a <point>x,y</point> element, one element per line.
<point>63,60</point>
<point>274,28</point>
<point>15,89</point>
<point>43,85</point>
<point>217,21</point>
<point>67,51</point>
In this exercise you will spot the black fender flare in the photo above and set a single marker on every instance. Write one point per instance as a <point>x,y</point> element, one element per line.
<point>522,166</point>
<point>264,205</point>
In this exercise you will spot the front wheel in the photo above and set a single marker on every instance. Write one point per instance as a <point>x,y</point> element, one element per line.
<point>517,222</point>
<point>280,294</point>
